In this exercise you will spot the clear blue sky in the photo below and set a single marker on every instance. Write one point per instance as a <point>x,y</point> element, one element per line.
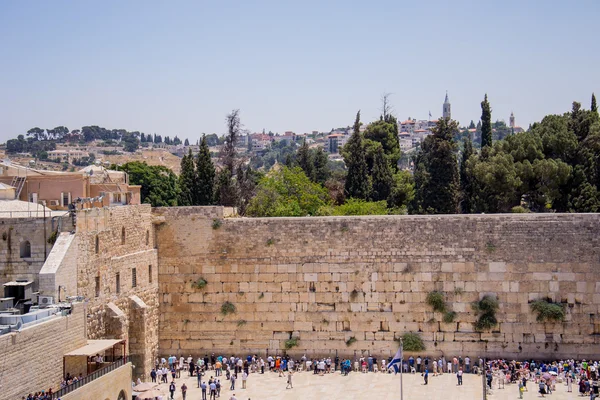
<point>178,67</point>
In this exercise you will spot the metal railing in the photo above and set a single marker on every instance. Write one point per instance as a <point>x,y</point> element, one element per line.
<point>93,376</point>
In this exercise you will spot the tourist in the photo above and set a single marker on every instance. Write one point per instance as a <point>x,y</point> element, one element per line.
<point>468,364</point>
<point>542,386</point>
<point>426,376</point>
<point>183,390</point>
<point>419,360</point>
<point>244,379</point>
<point>172,390</point>
<point>218,385</point>
<point>569,380</point>
<point>159,375</point>
<point>213,390</point>
<point>459,375</point>
<point>232,379</point>
<point>203,386</point>
<point>233,397</point>
<point>153,375</point>
<point>521,389</point>
<point>289,381</point>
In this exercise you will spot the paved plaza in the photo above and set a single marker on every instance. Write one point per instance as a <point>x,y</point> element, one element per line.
<point>359,386</point>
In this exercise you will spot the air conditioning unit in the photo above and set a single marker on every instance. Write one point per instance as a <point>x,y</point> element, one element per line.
<point>54,203</point>
<point>45,300</point>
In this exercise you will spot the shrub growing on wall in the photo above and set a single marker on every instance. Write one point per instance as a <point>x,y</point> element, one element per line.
<point>412,342</point>
<point>548,311</point>
<point>486,309</point>
<point>228,308</point>
<point>436,301</point>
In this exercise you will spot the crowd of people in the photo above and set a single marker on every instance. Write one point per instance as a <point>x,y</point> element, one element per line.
<point>582,376</point>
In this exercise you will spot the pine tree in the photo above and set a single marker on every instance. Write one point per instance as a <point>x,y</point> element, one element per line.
<point>436,172</point>
<point>357,180</point>
<point>486,123</point>
<point>205,173</point>
<point>381,176</point>
<point>594,107</point>
<point>321,167</point>
<point>466,184</point>
<point>187,181</point>
<point>304,160</point>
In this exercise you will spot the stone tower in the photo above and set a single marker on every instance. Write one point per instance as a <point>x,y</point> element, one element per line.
<point>512,120</point>
<point>447,113</point>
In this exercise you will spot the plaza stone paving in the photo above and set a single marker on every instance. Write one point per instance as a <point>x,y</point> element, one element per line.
<point>359,386</point>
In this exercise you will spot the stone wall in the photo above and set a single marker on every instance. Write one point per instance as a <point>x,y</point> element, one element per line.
<point>108,387</point>
<point>58,276</point>
<point>111,244</point>
<point>32,359</point>
<point>327,280</point>
<point>14,232</point>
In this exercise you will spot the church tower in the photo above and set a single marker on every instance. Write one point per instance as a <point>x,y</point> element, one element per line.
<point>446,111</point>
<point>512,120</point>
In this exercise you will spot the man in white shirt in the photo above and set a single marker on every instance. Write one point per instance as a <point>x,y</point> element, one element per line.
<point>233,397</point>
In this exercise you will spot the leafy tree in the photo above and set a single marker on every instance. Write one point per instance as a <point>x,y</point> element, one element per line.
<point>36,133</point>
<point>385,131</point>
<point>205,175</point>
<point>305,160</point>
<point>466,184</point>
<point>403,191</point>
<point>287,193</point>
<point>486,123</point>
<point>187,181</point>
<point>381,177</point>
<point>159,183</point>
<point>321,166</point>
<point>357,180</point>
<point>496,181</point>
<point>361,207</point>
<point>436,172</point>
<point>246,180</point>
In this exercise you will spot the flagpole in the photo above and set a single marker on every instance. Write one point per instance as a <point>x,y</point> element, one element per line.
<point>401,367</point>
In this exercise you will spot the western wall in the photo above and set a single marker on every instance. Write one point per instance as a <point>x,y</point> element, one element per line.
<point>328,280</point>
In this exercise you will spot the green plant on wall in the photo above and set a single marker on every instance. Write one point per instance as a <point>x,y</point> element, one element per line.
<point>241,322</point>
<point>436,301</point>
<point>228,308</point>
<point>216,224</point>
<point>291,343</point>
<point>354,295</point>
<point>547,311</point>
<point>199,284</point>
<point>486,309</point>
<point>412,342</point>
<point>449,316</point>
<point>350,341</point>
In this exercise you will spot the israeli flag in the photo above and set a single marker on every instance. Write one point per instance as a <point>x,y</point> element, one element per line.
<point>396,362</point>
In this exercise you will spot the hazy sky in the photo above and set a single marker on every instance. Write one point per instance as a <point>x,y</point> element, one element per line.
<point>178,67</point>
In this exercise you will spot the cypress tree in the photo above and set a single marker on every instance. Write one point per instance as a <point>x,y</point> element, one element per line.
<point>357,180</point>
<point>486,123</point>
<point>321,169</point>
<point>304,159</point>
<point>186,143</point>
<point>466,184</point>
<point>382,176</point>
<point>436,172</point>
<point>205,173</point>
<point>594,107</point>
<point>187,181</point>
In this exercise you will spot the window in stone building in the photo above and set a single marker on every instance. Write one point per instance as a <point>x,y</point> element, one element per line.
<point>149,273</point>
<point>147,237</point>
<point>98,286</point>
<point>97,244</point>
<point>123,235</point>
<point>133,277</point>
<point>25,249</point>
<point>118,282</point>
